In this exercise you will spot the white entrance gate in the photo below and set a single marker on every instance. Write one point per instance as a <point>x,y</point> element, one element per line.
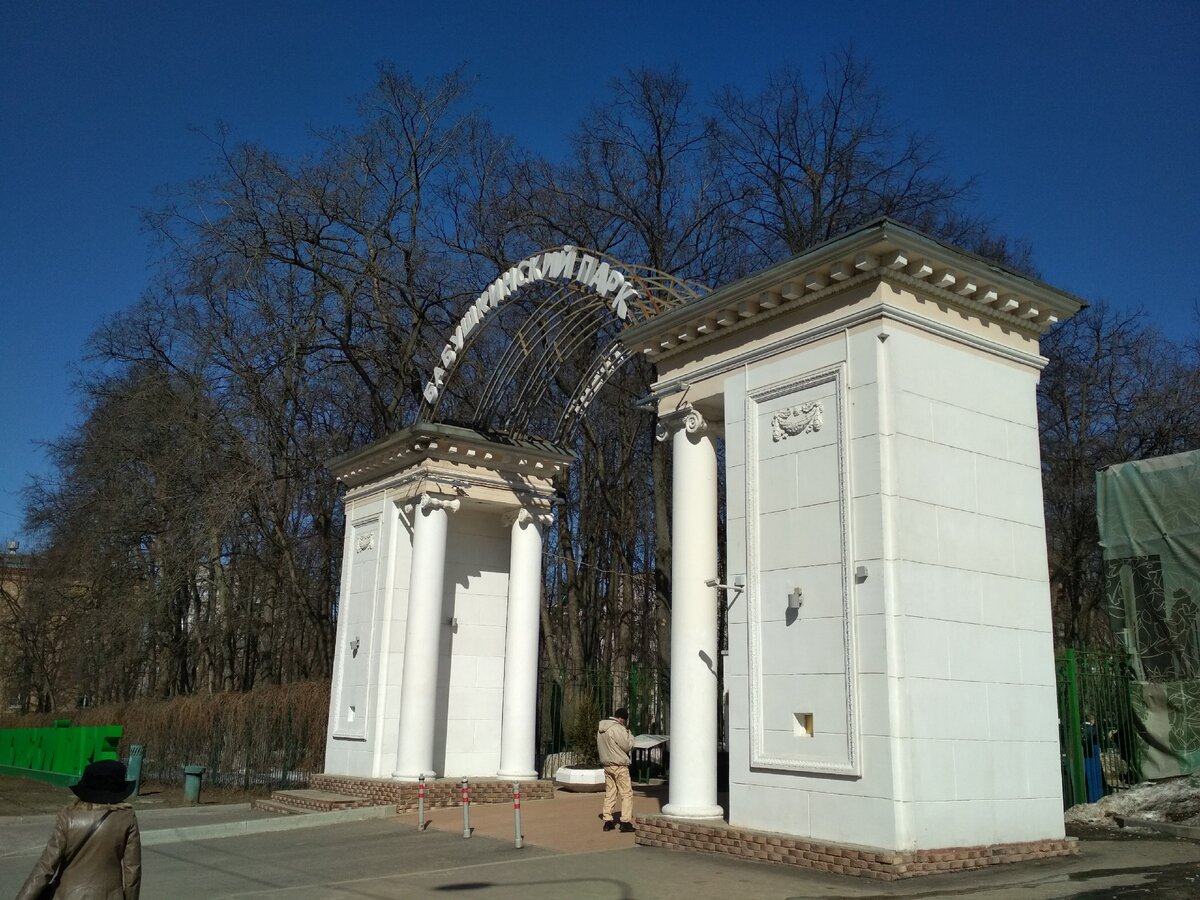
<point>890,673</point>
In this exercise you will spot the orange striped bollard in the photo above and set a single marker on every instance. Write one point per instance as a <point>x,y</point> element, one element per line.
<point>517,813</point>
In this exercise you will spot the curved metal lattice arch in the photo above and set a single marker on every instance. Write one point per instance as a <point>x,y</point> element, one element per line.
<point>603,367</point>
<point>572,304</point>
<point>575,332</point>
<point>544,331</point>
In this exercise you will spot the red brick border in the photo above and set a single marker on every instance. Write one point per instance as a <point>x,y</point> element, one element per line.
<point>439,792</point>
<point>885,865</point>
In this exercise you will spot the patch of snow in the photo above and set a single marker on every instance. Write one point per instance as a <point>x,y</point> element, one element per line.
<point>1176,800</point>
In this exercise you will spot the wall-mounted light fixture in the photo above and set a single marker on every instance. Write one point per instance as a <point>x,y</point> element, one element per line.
<point>739,584</point>
<point>796,598</point>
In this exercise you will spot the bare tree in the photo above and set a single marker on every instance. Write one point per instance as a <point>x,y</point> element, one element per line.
<point>809,161</point>
<point>297,308</point>
<point>1114,390</point>
<point>192,535</point>
<point>642,184</point>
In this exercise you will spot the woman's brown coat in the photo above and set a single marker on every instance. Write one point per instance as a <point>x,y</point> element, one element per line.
<point>109,867</point>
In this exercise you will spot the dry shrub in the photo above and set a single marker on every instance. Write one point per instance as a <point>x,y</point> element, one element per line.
<point>270,737</point>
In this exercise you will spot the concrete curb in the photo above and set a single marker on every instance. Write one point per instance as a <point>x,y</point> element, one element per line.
<point>260,826</point>
<point>1191,832</point>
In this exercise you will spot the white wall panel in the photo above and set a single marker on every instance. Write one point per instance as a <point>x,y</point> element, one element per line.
<point>798,533</point>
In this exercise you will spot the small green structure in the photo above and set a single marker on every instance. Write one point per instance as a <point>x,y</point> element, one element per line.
<point>59,754</point>
<point>1148,514</point>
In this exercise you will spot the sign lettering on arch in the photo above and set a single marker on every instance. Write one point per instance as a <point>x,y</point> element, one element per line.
<point>568,264</point>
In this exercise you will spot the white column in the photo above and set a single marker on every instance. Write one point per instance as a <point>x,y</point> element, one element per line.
<point>692,788</point>
<point>422,640</point>
<point>518,729</point>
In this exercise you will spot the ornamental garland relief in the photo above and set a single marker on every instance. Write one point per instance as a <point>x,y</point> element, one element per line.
<point>803,419</point>
<point>366,542</point>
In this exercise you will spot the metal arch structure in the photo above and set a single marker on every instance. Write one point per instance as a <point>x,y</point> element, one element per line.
<point>578,301</point>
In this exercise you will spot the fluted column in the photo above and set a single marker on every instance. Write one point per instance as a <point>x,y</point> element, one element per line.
<point>422,640</point>
<point>692,787</point>
<point>518,740</point>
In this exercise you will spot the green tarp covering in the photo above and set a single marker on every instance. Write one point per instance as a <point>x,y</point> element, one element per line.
<point>1149,519</point>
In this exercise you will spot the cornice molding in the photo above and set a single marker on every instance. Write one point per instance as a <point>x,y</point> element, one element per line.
<point>884,251</point>
<point>879,312</point>
<point>436,443</point>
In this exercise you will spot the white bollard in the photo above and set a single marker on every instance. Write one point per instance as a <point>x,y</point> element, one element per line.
<point>466,805</point>
<point>517,813</point>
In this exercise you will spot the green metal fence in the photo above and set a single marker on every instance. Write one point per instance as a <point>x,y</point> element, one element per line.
<point>1097,727</point>
<point>59,754</point>
<point>564,693</point>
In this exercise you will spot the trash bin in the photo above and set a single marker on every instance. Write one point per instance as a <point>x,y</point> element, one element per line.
<point>133,769</point>
<point>191,783</point>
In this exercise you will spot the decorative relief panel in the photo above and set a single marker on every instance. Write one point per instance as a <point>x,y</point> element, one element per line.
<point>802,419</point>
<point>801,661</point>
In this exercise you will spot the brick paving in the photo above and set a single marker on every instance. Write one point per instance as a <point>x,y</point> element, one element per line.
<point>568,823</point>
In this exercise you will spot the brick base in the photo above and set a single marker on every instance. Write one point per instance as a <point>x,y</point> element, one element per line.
<point>438,792</point>
<point>885,865</point>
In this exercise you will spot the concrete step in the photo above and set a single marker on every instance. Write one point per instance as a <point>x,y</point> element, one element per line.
<point>274,806</point>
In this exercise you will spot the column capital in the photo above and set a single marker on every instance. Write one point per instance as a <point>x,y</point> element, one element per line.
<point>686,417</point>
<point>524,515</point>
<point>427,502</point>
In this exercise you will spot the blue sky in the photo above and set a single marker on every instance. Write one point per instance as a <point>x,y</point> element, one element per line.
<point>1081,121</point>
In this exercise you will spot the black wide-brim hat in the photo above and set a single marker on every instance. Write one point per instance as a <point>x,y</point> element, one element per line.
<point>103,782</point>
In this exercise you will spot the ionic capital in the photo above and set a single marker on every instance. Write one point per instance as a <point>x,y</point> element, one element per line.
<point>686,417</point>
<point>427,502</point>
<point>524,516</point>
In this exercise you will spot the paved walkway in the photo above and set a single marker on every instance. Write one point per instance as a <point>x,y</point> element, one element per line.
<point>566,855</point>
<point>570,823</point>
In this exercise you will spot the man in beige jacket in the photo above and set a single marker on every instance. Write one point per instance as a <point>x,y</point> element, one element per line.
<point>614,742</point>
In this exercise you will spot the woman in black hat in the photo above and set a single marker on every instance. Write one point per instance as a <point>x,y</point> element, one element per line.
<point>95,852</point>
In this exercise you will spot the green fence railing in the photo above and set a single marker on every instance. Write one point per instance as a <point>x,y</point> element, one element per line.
<point>59,754</point>
<point>1097,726</point>
<point>562,693</point>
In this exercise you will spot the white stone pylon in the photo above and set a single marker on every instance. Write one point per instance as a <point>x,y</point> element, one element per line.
<point>518,739</point>
<point>422,640</point>
<point>692,786</point>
